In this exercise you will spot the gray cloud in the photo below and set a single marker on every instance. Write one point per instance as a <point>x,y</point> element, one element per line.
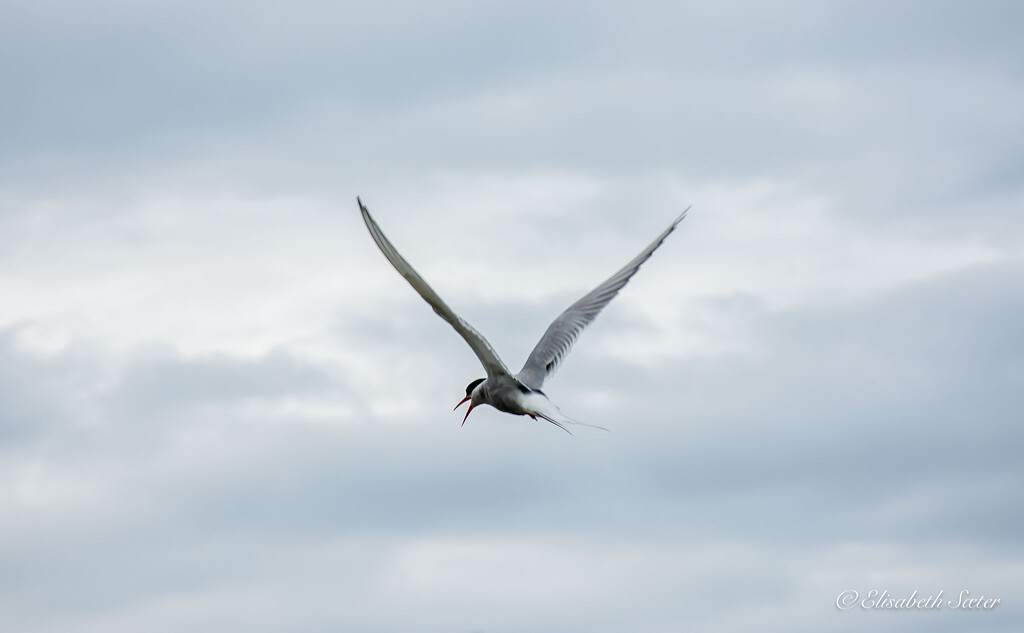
<point>831,94</point>
<point>220,409</point>
<point>175,384</point>
<point>854,424</point>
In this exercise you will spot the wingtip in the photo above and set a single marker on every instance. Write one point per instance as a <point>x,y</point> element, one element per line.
<point>683,214</point>
<point>365,212</point>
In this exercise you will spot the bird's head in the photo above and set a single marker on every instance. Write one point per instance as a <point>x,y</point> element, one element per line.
<point>471,388</point>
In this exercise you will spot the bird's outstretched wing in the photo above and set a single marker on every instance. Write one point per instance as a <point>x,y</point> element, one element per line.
<point>488,357</point>
<point>562,333</point>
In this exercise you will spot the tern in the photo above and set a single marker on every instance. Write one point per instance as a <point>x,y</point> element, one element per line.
<point>519,394</point>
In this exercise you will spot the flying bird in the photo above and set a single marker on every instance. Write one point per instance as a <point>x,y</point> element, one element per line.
<point>519,394</point>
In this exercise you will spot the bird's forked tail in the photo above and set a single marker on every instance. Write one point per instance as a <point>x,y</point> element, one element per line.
<point>542,407</point>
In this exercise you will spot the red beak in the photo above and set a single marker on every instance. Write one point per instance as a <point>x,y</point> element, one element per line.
<point>471,405</point>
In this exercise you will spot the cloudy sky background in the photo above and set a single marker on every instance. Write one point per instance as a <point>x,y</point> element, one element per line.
<point>221,409</point>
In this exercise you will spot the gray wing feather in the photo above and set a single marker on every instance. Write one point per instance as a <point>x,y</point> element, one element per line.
<point>492,363</point>
<point>563,332</point>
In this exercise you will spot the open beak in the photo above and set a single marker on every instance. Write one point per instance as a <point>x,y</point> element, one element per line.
<point>471,405</point>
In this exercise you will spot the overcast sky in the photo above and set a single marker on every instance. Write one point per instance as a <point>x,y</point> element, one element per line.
<point>222,409</point>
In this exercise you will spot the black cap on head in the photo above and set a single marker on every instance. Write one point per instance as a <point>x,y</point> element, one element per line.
<point>472,385</point>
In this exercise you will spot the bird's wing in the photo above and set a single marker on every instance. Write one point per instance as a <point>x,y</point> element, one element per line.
<point>488,357</point>
<point>562,333</point>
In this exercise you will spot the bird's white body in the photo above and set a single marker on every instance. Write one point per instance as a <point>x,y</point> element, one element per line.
<point>519,394</point>
<point>507,394</point>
